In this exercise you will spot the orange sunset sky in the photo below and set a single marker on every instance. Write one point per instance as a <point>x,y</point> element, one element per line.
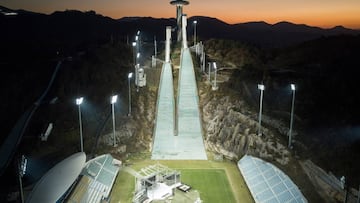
<point>321,13</point>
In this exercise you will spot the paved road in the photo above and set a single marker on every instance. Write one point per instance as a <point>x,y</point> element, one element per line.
<point>9,147</point>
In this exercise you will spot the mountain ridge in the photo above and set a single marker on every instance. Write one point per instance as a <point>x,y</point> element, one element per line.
<point>260,33</point>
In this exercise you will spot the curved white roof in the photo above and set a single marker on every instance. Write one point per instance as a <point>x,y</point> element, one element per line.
<point>267,183</point>
<point>58,179</point>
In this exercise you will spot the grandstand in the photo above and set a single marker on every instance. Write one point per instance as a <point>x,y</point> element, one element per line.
<point>72,180</point>
<point>58,180</point>
<point>267,183</point>
<point>96,180</point>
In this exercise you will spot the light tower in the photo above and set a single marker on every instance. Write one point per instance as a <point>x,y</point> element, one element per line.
<point>179,4</point>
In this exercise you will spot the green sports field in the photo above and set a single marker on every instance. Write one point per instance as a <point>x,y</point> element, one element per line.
<point>215,181</point>
<point>212,184</point>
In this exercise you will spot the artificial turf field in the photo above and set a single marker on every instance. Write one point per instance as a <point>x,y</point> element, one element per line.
<point>212,184</point>
<point>215,181</point>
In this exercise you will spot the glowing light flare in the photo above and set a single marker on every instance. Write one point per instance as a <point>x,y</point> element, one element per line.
<point>130,75</point>
<point>79,101</point>
<point>293,88</point>
<point>114,99</point>
<point>261,87</point>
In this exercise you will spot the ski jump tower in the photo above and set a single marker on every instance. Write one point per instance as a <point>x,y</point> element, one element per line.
<point>179,13</point>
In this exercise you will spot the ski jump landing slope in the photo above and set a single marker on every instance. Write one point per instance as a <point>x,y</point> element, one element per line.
<point>188,144</point>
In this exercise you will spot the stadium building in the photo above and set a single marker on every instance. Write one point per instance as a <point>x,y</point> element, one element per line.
<point>73,180</point>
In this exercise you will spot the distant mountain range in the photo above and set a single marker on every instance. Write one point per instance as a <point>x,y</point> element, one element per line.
<point>84,26</point>
<point>264,34</point>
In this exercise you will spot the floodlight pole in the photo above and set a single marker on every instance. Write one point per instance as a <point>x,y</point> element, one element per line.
<point>195,23</point>
<point>209,79</point>
<point>137,43</point>
<point>134,55</point>
<point>21,190</point>
<point>137,58</point>
<point>261,87</point>
<point>81,133</point>
<point>215,74</point>
<point>155,47</point>
<point>79,102</point>
<point>129,78</point>
<point>203,62</point>
<point>21,169</point>
<point>137,67</point>
<point>292,113</point>
<point>215,70</point>
<point>113,101</point>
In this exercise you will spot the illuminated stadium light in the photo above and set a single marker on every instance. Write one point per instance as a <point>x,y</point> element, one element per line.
<point>113,101</point>
<point>214,87</point>
<point>292,114</point>
<point>261,87</point>
<point>195,23</point>
<point>79,101</point>
<point>292,87</point>
<point>129,78</point>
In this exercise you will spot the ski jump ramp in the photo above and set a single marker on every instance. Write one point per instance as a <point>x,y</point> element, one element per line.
<point>178,134</point>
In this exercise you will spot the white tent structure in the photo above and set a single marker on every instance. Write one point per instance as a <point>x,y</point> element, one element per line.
<point>267,183</point>
<point>52,186</point>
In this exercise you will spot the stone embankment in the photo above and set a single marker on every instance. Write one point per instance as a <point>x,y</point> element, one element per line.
<point>231,130</point>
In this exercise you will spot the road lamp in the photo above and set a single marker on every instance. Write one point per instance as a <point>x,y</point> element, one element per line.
<point>195,23</point>
<point>129,78</point>
<point>21,172</point>
<point>113,101</point>
<point>261,87</point>
<point>79,101</point>
<point>215,70</point>
<point>293,88</point>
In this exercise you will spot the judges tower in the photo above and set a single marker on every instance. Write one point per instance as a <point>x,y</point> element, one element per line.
<point>179,4</point>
